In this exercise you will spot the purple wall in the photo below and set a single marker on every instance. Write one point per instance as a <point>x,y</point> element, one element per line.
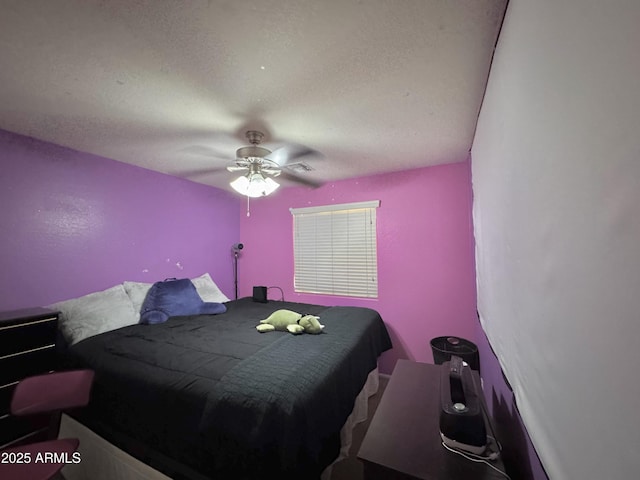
<point>426,267</point>
<point>74,223</point>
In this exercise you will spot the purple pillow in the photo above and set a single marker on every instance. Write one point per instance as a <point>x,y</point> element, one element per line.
<point>172,298</point>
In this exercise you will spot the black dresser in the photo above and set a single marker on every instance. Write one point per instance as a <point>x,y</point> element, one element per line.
<point>27,347</point>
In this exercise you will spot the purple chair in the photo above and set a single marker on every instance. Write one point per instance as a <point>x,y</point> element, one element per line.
<point>49,393</point>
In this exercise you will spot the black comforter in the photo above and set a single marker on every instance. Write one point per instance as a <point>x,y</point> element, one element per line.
<point>212,395</point>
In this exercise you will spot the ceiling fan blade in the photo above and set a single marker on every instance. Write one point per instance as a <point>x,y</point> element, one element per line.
<point>198,172</point>
<point>205,151</point>
<point>237,168</point>
<point>288,153</point>
<point>271,171</point>
<point>303,181</point>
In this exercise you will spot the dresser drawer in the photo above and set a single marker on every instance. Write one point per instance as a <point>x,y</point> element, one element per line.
<point>13,429</point>
<point>6,392</point>
<point>27,336</point>
<point>17,366</point>
<point>27,347</point>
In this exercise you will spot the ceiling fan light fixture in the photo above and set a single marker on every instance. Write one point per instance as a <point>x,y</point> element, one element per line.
<point>254,185</point>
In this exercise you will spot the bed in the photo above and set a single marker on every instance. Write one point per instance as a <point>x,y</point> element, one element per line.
<point>208,396</point>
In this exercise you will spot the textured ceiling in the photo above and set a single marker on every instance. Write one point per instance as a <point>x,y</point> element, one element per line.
<point>369,86</point>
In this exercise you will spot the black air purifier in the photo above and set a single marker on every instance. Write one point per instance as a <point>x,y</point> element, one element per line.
<point>260,294</point>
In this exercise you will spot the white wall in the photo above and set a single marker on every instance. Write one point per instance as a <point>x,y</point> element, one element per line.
<point>556,179</point>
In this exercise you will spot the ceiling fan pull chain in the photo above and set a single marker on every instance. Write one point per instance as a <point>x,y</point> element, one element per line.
<point>248,213</point>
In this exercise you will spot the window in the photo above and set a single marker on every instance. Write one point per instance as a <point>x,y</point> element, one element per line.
<point>334,249</point>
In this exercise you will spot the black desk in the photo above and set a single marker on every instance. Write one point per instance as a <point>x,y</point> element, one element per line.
<point>403,440</point>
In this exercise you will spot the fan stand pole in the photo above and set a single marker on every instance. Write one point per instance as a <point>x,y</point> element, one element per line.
<point>235,272</point>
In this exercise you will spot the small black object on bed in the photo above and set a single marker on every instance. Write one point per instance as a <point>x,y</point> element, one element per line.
<point>208,395</point>
<point>260,294</point>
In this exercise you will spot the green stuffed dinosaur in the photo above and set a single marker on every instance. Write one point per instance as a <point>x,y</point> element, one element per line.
<point>290,321</point>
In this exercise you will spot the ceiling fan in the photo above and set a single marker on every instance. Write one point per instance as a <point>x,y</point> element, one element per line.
<point>259,166</point>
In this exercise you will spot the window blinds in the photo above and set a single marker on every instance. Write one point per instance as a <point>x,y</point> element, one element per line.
<point>335,249</point>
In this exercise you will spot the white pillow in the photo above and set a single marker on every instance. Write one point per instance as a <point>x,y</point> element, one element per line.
<point>137,292</point>
<point>95,313</point>
<point>208,290</point>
